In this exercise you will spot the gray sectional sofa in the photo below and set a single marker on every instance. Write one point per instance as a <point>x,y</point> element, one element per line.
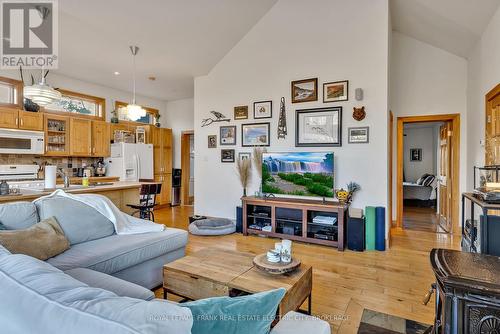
<point>136,258</point>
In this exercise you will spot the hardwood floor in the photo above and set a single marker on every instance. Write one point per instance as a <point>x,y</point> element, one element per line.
<point>421,219</point>
<point>344,283</point>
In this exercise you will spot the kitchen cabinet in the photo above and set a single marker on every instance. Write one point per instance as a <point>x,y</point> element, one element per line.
<point>80,137</point>
<point>162,158</point>
<point>56,135</point>
<point>30,120</point>
<point>100,139</point>
<point>19,119</point>
<point>9,118</point>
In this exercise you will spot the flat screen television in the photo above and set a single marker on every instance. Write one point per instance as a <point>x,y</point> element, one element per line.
<point>299,174</point>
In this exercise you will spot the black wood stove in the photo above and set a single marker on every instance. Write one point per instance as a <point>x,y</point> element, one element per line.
<point>467,292</point>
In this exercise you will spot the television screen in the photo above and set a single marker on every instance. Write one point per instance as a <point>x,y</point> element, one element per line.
<point>298,173</point>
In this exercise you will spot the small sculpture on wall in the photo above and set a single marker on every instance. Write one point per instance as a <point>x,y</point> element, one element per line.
<point>359,114</point>
<point>282,129</point>
<point>218,118</point>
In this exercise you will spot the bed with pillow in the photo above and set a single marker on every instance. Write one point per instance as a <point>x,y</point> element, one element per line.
<point>421,193</point>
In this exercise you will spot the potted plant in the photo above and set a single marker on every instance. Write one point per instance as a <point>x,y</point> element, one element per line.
<point>114,117</point>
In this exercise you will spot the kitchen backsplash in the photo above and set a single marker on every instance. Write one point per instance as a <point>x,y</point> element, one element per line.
<point>62,162</point>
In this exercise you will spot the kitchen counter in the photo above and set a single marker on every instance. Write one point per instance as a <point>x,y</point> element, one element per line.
<point>121,193</point>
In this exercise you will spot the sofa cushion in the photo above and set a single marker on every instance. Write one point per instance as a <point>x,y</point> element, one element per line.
<point>252,314</point>
<point>18,215</point>
<point>118,252</point>
<point>42,240</point>
<point>60,304</point>
<point>79,222</point>
<point>120,287</point>
<point>4,251</point>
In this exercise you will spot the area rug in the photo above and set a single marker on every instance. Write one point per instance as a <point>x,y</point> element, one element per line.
<point>380,323</point>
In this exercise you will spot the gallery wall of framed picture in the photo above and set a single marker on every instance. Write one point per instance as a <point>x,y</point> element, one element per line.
<point>314,127</point>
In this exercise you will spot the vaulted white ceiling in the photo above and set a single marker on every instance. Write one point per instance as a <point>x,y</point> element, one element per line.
<point>178,40</point>
<point>452,25</point>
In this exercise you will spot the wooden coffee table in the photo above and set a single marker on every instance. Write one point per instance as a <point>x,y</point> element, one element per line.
<point>213,272</point>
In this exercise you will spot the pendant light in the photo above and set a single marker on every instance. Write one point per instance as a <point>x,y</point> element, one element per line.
<point>134,111</point>
<point>41,93</point>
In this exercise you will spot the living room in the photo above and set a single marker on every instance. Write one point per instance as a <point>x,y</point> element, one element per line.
<point>298,112</point>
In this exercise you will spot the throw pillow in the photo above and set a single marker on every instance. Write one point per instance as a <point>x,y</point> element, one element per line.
<point>428,180</point>
<point>420,181</point>
<point>42,240</point>
<point>252,314</point>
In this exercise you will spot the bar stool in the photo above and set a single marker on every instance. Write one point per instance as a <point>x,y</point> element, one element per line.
<point>147,201</point>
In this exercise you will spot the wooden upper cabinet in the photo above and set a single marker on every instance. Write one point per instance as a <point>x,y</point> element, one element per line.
<point>30,120</point>
<point>492,133</point>
<point>162,147</point>
<point>57,141</point>
<point>80,137</point>
<point>100,139</point>
<point>9,118</point>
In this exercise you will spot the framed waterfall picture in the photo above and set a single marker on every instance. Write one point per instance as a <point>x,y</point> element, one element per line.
<point>318,127</point>
<point>255,134</point>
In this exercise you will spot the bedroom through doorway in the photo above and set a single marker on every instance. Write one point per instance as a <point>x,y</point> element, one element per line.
<point>426,163</point>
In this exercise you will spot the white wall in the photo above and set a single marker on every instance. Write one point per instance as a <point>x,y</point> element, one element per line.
<point>110,94</point>
<point>425,80</point>
<point>425,139</point>
<point>329,39</point>
<point>179,116</point>
<point>483,75</point>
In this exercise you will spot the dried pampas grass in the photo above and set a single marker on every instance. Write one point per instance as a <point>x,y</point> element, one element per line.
<point>244,170</point>
<point>257,159</point>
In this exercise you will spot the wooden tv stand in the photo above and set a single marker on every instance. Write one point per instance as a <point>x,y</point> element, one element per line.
<point>292,219</point>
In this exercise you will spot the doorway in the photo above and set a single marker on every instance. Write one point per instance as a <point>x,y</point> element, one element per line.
<point>428,173</point>
<point>187,167</point>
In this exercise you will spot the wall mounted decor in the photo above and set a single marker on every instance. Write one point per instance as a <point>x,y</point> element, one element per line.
<point>336,91</point>
<point>359,114</point>
<point>415,154</point>
<point>140,135</point>
<point>255,134</point>
<point>318,127</point>
<point>282,129</point>
<point>358,135</point>
<point>212,141</point>
<point>228,135</point>
<point>227,155</point>
<point>218,118</point>
<point>305,90</point>
<point>240,112</point>
<point>358,94</point>
<point>263,109</point>
<point>245,155</point>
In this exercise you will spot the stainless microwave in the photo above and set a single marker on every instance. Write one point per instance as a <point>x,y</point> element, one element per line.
<point>21,142</point>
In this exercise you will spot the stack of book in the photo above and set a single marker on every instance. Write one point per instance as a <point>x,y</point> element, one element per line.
<point>325,220</point>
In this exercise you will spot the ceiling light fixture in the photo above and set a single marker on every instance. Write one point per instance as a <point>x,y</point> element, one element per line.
<point>134,111</point>
<point>41,93</point>
<point>116,73</point>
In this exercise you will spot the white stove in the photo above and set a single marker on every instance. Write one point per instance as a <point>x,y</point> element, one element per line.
<point>19,172</point>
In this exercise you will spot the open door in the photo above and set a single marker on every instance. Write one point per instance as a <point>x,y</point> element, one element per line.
<point>445,169</point>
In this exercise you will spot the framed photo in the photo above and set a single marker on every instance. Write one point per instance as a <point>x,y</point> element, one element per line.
<point>241,112</point>
<point>244,155</point>
<point>318,127</point>
<point>263,109</point>
<point>228,135</point>
<point>140,135</point>
<point>358,135</point>
<point>212,141</point>
<point>305,90</point>
<point>336,91</point>
<point>227,155</point>
<point>415,154</point>
<point>255,134</point>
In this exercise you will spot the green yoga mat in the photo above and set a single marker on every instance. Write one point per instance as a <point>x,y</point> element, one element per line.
<point>370,227</point>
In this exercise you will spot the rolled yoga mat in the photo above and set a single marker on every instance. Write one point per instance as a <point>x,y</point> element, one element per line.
<point>370,227</point>
<point>380,228</point>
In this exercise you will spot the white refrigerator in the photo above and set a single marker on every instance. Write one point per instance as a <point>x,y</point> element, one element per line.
<point>130,162</point>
